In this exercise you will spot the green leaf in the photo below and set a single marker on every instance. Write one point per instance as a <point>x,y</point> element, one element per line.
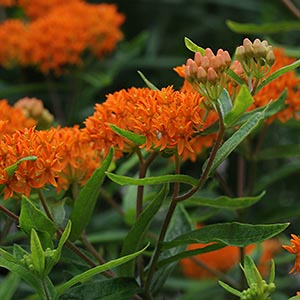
<point>278,73</point>
<point>280,151</point>
<point>113,289</point>
<point>225,103</point>
<point>242,101</point>
<point>37,253</point>
<point>124,180</point>
<point>232,143</point>
<point>88,195</point>
<point>11,169</point>
<point>193,47</point>
<point>131,136</point>
<point>189,253</point>
<point>180,223</point>
<point>229,289</point>
<point>135,236</point>
<point>9,286</point>
<point>231,234</point>
<point>149,84</point>
<point>235,77</point>
<point>251,272</point>
<point>224,201</point>
<point>96,270</point>
<point>265,28</point>
<point>28,276</point>
<point>33,218</point>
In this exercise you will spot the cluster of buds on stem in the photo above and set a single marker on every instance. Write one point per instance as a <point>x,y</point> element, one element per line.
<point>256,58</point>
<point>207,73</point>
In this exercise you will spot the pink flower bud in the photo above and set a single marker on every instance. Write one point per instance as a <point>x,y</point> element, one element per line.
<point>211,75</point>
<point>201,74</point>
<point>192,66</point>
<point>209,53</point>
<point>205,62</point>
<point>198,58</point>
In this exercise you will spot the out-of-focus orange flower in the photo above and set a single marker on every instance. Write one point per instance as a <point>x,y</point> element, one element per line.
<point>13,119</point>
<point>294,248</point>
<point>38,8</point>
<point>272,91</point>
<point>59,38</point>
<point>45,145</point>
<point>8,3</point>
<point>79,157</point>
<point>168,119</point>
<point>226,258</point>
<point>13,36</point>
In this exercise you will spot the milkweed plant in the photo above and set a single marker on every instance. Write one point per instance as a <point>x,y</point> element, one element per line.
<point>135,152</point>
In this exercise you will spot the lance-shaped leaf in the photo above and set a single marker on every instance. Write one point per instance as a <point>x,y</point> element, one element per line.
<point>96,270</point>
<point>193,47</point>
<point>136,235</point>
<point>189,253</point>
<point>129,135</point>
<point>232,143</point>
<point>149,84</point>
<point>231,234</point>
<point>251,272</point>
<point>225,103</point>
<point>278,73</point>
<point>33,218</point>
<point>230,289</point>
<point>37,253</point>
<point>235,77</point>
<point>9,286</point>
<point>242,101</point>
<point>88,195</point>
<point>224,201</point>
<point>265,28</point>
<point>124,180</point>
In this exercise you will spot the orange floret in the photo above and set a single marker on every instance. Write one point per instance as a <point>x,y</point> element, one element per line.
<point>168,119</point>
<point>294,248</point>
<point>8,3</point>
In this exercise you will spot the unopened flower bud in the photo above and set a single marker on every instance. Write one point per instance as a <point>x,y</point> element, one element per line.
<point>211,75</point>
<point>248,46</point>
<point>192,67</point>
<point>198,58</point>
<point>205,62</point>
<point>201,74</point>
<point>209,53</point>
<point>240,53</point>
<point>270,58</point>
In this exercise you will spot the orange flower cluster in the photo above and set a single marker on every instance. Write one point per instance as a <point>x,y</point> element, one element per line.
<point>79,157</point>
<point>39,8</point>
<point>60,37</point>
<point>7,3</point>
<point>168,119</point>
<point>226,258</point>
<point>45,145</point>
<point>294,249</point>
<point>272,91</point>
<point>13,119</point>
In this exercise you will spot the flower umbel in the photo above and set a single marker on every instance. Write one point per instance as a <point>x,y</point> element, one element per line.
<point>207,73</point>
<point>294,248</point>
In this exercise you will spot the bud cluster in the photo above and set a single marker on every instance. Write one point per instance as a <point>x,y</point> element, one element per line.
<point>256,58</point>
<point>260,291</point>
<point>207,72</point>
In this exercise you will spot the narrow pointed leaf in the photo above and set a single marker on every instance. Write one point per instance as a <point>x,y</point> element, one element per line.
<point>229,289</point>
<point>251,272</point>
<point>225,103</point>
<point>33,218</point>
<point>265,28</point>
<point>278,73</point>
<point>131,136</point>
<point>231,234</point>
<point>11,169</point>
<point>192,46</point>
<point>235,77</point>
<point>124,180</point>
<point>242,101</point>
<point>9,286</point>
<point>96,270</point>
<point>37,253</point>
<point>87,198</point>
<point>233,142</point>
<point>189,253</point>
<point>149,84</point>
<point>136,235</point>
<point>225,202</point>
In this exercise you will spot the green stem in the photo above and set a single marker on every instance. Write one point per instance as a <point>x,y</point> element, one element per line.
<point>163,232</point>
<point>47,294</point>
